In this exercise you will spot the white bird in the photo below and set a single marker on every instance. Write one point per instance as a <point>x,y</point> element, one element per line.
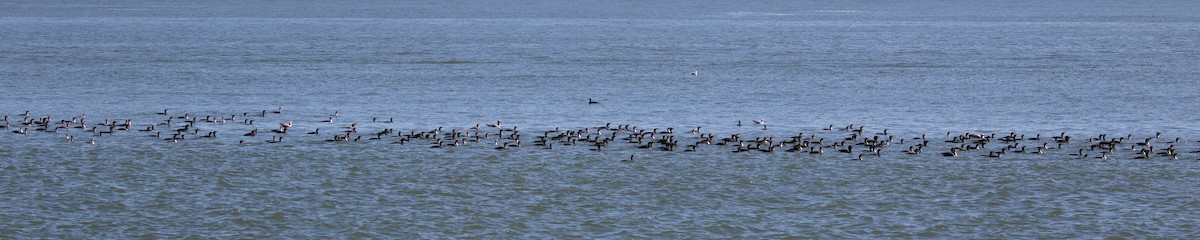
<point>760,122</point>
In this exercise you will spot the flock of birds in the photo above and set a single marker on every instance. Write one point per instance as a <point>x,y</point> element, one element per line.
<point>850,142</point>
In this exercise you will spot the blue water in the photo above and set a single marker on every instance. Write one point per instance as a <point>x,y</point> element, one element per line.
<point>1124,69</point>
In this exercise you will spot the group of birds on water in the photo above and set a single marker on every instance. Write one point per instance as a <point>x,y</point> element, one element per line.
<point>851,141</point>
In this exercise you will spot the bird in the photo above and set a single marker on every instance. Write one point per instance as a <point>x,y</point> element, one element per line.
<point>628,160</point>
<point>696,73</point>
<point>953,152</point>
<point>590,101</point>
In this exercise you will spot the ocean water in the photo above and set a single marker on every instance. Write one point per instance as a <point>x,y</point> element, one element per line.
<point>1124,69</point>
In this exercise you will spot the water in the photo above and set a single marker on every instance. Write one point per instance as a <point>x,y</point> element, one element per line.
<point>913,67</point>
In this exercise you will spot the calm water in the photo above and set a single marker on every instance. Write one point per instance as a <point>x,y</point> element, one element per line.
<point>1126,69</point>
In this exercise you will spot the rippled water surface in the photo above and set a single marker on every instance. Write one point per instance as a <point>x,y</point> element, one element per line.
<point>1032,69</point>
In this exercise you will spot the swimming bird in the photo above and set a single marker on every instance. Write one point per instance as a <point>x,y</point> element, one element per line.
<point>1143,155</point>
<point>497,125</point>
<point>816,150</point>
<point>1022,150</point>
<point>696,73</point>
<point>912,150</point>
<point>590,101</point>
<point>630,160</point>
<point>760,122</point>
<point>315,132</point>
<point>164,112</point>
<point>849,149</point>
<point>953,152</point>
